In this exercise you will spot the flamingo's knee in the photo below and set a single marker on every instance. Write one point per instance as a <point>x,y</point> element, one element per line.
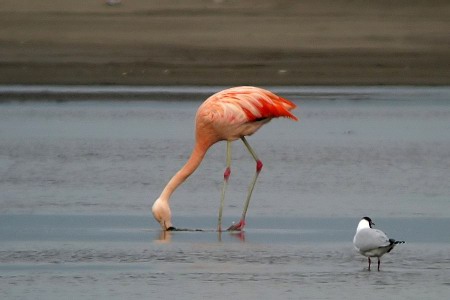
<point>227,173</point>
<point>259,166</point>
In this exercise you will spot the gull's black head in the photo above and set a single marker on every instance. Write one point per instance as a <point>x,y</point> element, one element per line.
<point>369,220</point>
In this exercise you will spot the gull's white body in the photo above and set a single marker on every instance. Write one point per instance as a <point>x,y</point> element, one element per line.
<point>372,242</point>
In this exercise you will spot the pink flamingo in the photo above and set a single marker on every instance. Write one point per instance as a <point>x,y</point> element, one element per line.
<point>227,115</point>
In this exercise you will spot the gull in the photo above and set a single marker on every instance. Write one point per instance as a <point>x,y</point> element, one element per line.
<point>372,242</point>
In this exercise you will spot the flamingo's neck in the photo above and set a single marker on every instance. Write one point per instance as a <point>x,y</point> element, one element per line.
<point>191,165</point>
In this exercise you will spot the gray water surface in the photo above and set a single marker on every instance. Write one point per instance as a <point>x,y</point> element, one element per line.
<point>78,178</point>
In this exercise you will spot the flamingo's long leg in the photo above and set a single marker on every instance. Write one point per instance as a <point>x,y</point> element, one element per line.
<point>259,166</point>
<point>226,176</point>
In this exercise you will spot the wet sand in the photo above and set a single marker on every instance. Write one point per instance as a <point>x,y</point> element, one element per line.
<point>221,42</point>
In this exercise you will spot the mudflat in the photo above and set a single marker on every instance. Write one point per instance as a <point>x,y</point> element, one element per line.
<point>220,42</point>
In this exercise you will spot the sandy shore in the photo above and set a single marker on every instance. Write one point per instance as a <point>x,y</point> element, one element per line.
<point>220,42</point>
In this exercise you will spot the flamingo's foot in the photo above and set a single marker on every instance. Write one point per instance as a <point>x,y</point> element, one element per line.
<point>237,227</point>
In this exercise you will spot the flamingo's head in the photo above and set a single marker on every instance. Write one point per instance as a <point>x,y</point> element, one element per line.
<point>161,213</point>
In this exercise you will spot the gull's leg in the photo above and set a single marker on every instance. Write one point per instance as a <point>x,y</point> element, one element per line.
<point>240,226</point>
<point>379,262</point>
<point>226,176</point>
<point>369,263</point>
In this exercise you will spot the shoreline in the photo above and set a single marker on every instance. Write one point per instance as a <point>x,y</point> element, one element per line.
<point>65,93</point>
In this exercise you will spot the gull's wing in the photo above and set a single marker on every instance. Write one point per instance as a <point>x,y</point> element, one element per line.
<point>368,239</point>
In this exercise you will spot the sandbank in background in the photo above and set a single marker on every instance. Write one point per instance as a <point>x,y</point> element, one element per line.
<point>220,42</point>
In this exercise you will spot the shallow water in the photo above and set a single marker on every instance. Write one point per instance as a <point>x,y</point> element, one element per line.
<point>111,256</point>
<point>78,178</point>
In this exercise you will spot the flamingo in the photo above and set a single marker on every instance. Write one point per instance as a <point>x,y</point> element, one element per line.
<point>228,115</point>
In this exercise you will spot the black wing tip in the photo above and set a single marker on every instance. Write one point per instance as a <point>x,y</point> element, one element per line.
<point>394,242</point>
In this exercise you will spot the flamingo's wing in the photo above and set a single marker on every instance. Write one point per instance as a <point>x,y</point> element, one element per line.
<point>248,104</point>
